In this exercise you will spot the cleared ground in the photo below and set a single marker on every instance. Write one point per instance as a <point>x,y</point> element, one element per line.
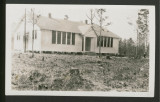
<point>54,73</point>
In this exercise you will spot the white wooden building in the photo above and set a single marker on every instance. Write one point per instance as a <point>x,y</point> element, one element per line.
<point>62,35</point>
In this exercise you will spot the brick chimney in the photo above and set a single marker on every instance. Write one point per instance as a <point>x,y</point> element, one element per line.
<point>49,15</point>
<point>66,17</point>
<point>86,21</point>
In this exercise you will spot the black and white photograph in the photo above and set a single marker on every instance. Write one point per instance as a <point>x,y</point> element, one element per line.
<point>80,50</point>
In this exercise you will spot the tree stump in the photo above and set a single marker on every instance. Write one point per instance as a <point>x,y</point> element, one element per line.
<point>108,57</point>
<point>74,72</point>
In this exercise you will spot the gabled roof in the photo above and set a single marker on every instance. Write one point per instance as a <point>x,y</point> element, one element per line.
<point>89,30</point>
<point>72,26</point>
<point>59,24</point>
<point>17,25</point>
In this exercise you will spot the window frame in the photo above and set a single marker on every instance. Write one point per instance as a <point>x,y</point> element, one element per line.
<point>111,42</point>
<point>73,38</point>
<point>68,38</point>
<point>108,42</point>
<point>64,37</point>
<point>59,37</point>
<point>54,40</point>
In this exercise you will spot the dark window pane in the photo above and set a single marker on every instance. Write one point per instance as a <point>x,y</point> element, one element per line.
<point>109,42</point>
<point>101,41</point>
<point>59,38</point>
<point>68,38</point>
<point>104,41</point>
<point>82,42</point>
<point>73,38</point>
<point>53,37</point>
<point>64,38</point>
<point>98,41</point>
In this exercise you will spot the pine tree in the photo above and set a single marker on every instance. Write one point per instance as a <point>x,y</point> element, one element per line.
<point>143,31</point>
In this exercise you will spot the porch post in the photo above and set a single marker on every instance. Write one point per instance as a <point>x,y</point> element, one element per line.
<point>84,44</point>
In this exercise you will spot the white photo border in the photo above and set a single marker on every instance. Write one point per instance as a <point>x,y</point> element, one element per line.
<point>150,93</point>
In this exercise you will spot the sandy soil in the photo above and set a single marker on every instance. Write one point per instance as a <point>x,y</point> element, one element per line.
<point>53,73</point>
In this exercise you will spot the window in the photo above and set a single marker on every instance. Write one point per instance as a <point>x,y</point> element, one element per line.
<point>108,42</point>
<point>82,42</point>
<point>101,41</point>
<point>64,38</point>
<point>59,38</point>
<point>98,41</point>
<point>68,38</point>
<point>111,42</point>
<point>53,37</point>
<point>105,41</point>
<point>18,36</point>
<point>73,38</point>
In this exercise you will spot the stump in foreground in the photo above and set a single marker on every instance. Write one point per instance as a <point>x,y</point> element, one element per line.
<point>72,80</point>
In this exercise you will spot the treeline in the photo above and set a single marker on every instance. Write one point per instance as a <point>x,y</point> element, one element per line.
<point>129,48</point>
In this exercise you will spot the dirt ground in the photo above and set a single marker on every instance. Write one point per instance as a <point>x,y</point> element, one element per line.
<point>52,72</point>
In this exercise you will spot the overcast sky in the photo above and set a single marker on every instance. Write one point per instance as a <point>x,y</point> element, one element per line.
<point>118,15</point>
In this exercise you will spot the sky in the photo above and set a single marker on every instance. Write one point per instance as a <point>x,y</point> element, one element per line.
<point>117,15</point>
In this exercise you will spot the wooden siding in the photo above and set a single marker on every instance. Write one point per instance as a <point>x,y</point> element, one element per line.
<point>46,43</point>
<point>113,49</point>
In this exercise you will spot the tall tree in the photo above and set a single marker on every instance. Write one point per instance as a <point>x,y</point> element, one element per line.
<point>25,46</point>
<point>32,18</point>
<point>127,47</point>
<point>130,48</point>
<point>143,31</point>
<point>33,22</point>
<point>101,18</point>
<point>133,24</point>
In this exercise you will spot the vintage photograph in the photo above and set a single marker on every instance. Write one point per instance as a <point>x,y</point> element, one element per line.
<point>80,48</point>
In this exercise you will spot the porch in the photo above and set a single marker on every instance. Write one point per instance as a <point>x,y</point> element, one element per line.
<point>88,44</point>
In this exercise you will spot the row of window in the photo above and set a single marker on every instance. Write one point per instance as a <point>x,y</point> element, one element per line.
<point>69,39</point>
<point>105,41</point>
<point>63,38</point>
<point>34,36</point>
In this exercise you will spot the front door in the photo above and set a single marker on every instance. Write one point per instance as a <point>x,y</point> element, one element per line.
<point>88,44</point>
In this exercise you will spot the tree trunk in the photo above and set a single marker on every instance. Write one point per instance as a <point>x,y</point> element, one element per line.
<point>99,47</point>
